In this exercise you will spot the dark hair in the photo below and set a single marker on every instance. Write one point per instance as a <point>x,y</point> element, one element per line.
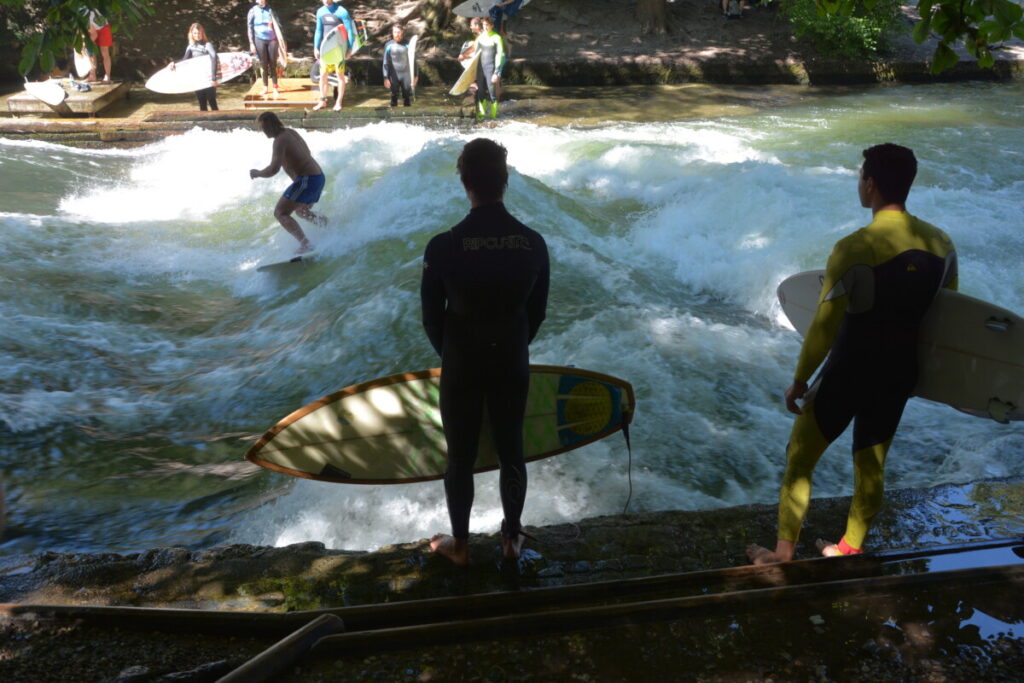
<point>893,169</point>
<point>483,169</point>
<point>269,123</point>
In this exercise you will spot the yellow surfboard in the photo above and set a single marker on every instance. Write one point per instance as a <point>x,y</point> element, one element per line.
<point>388,430</point>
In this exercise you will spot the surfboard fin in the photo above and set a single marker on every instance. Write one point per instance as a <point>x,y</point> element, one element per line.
<point>329,471</point>
<point>1000,410</point>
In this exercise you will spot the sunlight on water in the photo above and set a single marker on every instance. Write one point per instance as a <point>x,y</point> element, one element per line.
<point>141,351</point>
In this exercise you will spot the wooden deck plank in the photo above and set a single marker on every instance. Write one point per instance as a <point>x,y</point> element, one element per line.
<point>101,96</point>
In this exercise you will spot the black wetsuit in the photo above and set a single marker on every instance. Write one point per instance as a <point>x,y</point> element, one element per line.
<point>484,295</point>
<point>398,71</point>
<point>206,96</point>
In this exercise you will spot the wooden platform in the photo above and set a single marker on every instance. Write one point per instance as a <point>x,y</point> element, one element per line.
<point>101,96</point>
<point>293,93</point>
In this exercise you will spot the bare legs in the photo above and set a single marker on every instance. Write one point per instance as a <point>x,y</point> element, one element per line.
<point>323,90</point>
<point>283,213</point>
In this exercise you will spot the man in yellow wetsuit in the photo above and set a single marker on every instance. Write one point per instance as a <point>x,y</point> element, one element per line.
<point>878,284</point>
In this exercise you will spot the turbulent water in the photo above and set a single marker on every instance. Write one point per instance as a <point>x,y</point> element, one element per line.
<point>141,352</point>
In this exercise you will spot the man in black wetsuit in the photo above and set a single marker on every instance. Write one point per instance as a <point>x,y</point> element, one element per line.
<point>484,295</point>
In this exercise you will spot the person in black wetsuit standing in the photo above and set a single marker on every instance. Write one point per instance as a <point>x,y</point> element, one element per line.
<point>484,295</point>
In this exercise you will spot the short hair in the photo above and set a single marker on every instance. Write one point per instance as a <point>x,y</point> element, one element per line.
<point>893,168</point>
<point>398,26</point>
<point>483,169</point>
<point>475,21</point>
<point>201,31</point>
<point>269,123</point>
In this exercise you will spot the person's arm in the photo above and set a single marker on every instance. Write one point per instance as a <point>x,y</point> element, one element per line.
<point>537,303</point>
<point>832,304</point>
<point>275,160</point>
<point>386,67</point>
<point>499,57</point>
<point>432,296</point>
<point>212,51</point>
<point>250,20</point>
<point>318,34</point>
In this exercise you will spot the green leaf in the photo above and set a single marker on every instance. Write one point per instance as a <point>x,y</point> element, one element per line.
<point>1007,13</point>
<point>923,28</point>
<point>943,59</point>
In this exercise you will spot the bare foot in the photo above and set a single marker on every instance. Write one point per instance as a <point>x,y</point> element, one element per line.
<point>760,555</point>
<point>320,105</point>
<point>827,548</point>
<point>337,107</point>
<point>512,546</point>
<point>305,247</point>
<point>453,548</point>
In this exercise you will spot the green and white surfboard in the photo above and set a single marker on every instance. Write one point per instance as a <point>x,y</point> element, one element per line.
<point>388,430</point>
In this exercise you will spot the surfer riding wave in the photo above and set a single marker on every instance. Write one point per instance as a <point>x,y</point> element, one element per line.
<point>291,153</point>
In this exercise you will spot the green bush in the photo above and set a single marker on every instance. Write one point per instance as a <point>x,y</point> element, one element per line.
<point>865,32</point>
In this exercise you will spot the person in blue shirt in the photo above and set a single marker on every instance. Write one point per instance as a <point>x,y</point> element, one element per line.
<point>328,18</point>
<point>263,41</point>
<point>399,74</point>
<point>504,9</point>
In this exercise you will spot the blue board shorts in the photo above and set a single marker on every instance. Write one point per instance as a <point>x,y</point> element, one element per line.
<point>306,189</point>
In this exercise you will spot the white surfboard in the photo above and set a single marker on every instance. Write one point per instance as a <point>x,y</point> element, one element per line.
<point>334,46</point>
<point>290,264</point>
<point>194,74</point>
<point>49,91</point>
<point>468,75</point>
<point>83,65</point>
<point>970,353</point>
<point>282,46</point>
<point>480,8</point>
<point>412,62</point>
<point>475,8</point>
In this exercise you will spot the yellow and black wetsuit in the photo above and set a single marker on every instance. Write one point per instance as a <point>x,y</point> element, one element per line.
<point>879,283</point>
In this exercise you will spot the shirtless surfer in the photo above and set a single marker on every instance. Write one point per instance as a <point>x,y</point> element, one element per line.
<point>292,153</point>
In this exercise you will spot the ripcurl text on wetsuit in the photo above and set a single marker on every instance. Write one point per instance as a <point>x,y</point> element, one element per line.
<point>484,295</point>
<point>878,285</point>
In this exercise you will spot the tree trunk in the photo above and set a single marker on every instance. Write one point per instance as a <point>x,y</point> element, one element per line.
<point>653,16</point>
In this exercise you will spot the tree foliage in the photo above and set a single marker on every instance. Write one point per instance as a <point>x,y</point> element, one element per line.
<point>981,25</point>
<point>863,33</point>
<point>49,29</point>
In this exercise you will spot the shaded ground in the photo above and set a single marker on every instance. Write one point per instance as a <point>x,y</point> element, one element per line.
<point>932,634</point>
<point>553,42</point>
